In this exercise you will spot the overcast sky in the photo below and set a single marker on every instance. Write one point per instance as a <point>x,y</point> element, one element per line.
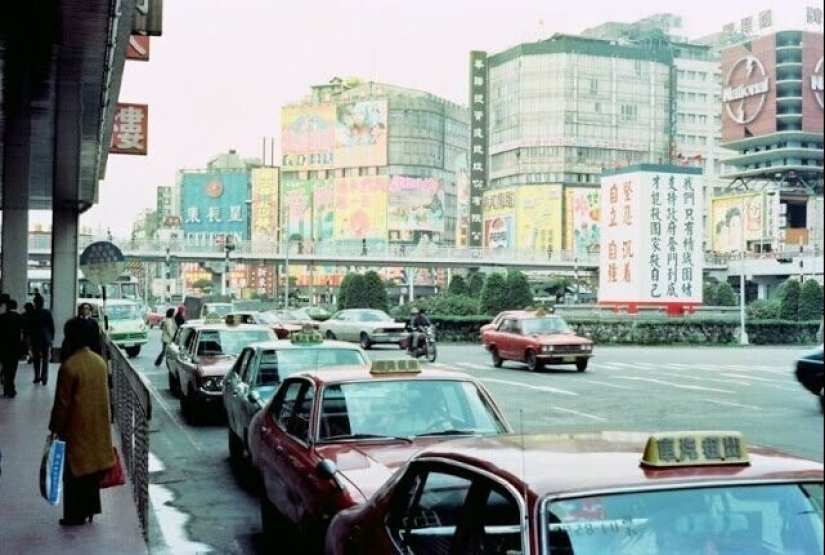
<point>220,73</point>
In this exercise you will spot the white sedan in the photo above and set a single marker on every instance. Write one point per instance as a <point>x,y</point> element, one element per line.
<point>364,325</point>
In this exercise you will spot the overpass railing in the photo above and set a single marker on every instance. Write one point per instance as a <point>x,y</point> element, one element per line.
<point>131,412</point>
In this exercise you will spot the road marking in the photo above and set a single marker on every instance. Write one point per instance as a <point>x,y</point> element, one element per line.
<point>607,384</point>
<point>671,384</point>
<point>155,464</point>
<point>546,388</point>
<point>731,404</point>
<point>768,382</point>
<point>577,413</point>
<point>714,380</point>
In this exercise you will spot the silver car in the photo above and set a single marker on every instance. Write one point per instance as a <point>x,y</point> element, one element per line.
<point>364,325</point>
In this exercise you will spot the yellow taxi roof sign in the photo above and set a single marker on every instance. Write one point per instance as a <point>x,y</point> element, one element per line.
<point>305,338</point>
<point>705,448</point>
<point>213,318</point>
<point>395,366</point>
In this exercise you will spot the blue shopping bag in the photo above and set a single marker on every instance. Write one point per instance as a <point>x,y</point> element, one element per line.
<point>51,470</point>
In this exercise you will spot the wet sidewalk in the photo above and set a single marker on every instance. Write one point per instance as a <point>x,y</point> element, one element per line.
<point>28,524</point>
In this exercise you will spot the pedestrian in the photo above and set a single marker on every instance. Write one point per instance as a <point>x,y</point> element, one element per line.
<point>167,332</point>
<point>84,315</point>
<point>28,308</point>
<point>40,334</point>
<point>80,417</point>
<point>11,343</point>
<point>180,316</point>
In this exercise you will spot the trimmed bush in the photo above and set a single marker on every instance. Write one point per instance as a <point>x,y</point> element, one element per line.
<point>725,295</point>
<point>458,286</point>
<point>709,294</point>
<point>519,294</point>
<point>344,289</point>
<point>494,295</point>
<point>810,301</point>
<point>358,295</point>
<point>376,291</point>
<point>789,302</point>
<point>764,309</point>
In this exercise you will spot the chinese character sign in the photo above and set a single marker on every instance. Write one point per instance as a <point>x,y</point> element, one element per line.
<point>214,204</point>
<point>130,130</point>
<point>478,146</point>
<point>264,209</point>
<point>651,239</point>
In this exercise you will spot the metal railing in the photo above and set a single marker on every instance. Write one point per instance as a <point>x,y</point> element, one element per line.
<point>131,412</point>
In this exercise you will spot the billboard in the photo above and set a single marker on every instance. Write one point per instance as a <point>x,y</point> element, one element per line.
<point>308,137</point>
<point>361,134</point>
<point>749,89</point>
<point>582,221</point>
<point>499,208</point>
<point>361,207</point>
<point>262,279</point>
<point>813,100</point>
<point>415,205</point>
<point>478,147</point>
<point>323,205</point>
<point>130,129</point>
<point>213,204</point>
<point>651,240</point>
<point>538,217</point>
<point>736,220</point>
<point>296,209</point>
<point>462,186</point>
<point>264,209</point>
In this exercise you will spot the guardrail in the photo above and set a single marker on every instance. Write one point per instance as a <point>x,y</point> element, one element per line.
<point>131,412</point>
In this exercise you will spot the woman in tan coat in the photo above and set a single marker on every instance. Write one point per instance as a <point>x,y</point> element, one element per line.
<point>80,417</point>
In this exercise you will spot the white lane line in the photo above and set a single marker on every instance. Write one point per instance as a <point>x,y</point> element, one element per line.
<point>607,384</point>
<point>173,523</point>
<point>671,384</point>
<point>756,378</point>
<point>474,366</point>
<point>730,404</point>
<point>545,388</point>
<point>704,379</point>
<point>155,464</point>
<point>577,413</point>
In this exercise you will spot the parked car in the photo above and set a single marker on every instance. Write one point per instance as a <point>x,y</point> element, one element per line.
<point>282,329</point>
<point>537,339</point>
<point>126,328</point>
<point>296,318</point>
<point>260,369</point>
<point>365,325</point>
<point>809,372</point>
<point>620,493</point>
<point>199,357</point>
<point>328,439</point>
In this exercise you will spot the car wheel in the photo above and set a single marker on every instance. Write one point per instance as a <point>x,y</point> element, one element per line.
<point>236,450</point>
<point>533,363</point>
<point>189,405</point>
<point>330,335</point>
<point>273,525</point>
<point>365,341</point>
<point>822,403</point>
<point>174,384</point>
<point>132,352</point>
<point>497,360</point>
<point>581,364</point>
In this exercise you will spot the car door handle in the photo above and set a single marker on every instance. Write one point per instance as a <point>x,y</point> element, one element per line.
<point>279,450</point>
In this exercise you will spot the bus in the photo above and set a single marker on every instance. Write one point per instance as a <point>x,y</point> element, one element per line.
<point>124,287</point>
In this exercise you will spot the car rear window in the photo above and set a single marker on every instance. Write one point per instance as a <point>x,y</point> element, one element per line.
<point>230,341</point>
<point>767,519</point>
<point>292,361</point>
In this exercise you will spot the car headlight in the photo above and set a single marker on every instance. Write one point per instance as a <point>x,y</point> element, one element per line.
<point>587,347</point>
<point>211,384</point>
<point>548,348</point>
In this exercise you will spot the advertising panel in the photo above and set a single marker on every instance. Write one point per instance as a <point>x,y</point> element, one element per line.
<point>264,203</point>
<point>307,137</point>
<point>361,134</point>
<point>539,217</point>
<point>130,129</point>
<point>582,221</point>
<point>213,205</point>
<point>813,100</point>
<point>478,146</point>
<point>323,202</point>
<point>414,204</point>
<point>736,220</point>
<point>296,209</point>
<point>361,207</point>
<point>499,207</point>
<point>651,241</point>
<point>462,182</point>
<point>262,279</point>
<point>192,272</point>
<point>749,89</point>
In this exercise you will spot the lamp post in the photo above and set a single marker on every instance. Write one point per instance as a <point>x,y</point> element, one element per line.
<point>168,298</point>
<point>743,333</point>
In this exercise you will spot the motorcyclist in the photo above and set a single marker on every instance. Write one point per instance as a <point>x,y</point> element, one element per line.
<point>418,322</point>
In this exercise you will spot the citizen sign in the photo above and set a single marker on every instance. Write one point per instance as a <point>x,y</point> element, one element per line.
<point>816,83</point>
<point>746,89</point>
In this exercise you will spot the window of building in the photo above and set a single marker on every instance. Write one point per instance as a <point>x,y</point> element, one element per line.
<point>629,112</point>
<point>594,86</point>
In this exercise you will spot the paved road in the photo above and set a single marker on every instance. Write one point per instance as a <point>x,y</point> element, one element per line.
<point>202,506</point>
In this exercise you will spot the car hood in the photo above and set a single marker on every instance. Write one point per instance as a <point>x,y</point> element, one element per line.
<point>215,365</point>
<point>366,466</point>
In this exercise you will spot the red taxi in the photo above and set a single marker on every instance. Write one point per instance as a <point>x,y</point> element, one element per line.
<point>617,493</point>
<point>328,439</point>
<point>536,339</point>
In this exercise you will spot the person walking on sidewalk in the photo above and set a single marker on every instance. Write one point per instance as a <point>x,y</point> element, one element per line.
<point>180,316</point>
<point>11,346</point>
<point>167,332</point>
<point>80,417</point>
<point>40,334</point>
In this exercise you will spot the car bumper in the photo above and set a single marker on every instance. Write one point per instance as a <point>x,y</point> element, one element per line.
<point>563,358</point>
<point>387,338</point>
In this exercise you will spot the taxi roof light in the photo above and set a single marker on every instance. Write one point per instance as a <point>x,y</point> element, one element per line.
<point>306,338</point>
<point>699,448</point>
<point>395,366</point>
<point>213,318</point>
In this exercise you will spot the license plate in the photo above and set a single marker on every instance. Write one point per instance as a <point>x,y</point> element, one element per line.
<point>128,344</point>
<point>569,359</point>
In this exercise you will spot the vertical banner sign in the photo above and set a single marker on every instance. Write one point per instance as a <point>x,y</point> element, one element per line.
<point>130,130</point>
<point>148,18</point>
<point>478,145</point>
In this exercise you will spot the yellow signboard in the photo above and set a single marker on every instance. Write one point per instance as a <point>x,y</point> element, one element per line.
<point>539,217</point>
<point>735,220</point>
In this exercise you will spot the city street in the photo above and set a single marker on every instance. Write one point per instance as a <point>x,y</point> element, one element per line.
<point>200,505</point>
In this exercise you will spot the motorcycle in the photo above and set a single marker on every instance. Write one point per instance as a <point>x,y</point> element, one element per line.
<point>427,350</point>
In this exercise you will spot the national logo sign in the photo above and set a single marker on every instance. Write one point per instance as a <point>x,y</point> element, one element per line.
<point>746,89</point>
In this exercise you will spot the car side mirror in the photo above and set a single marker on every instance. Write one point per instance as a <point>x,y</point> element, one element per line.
<point>255,398</point>
<point>329,471</point>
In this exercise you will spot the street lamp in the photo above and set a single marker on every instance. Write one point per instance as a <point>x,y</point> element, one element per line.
<point>168,298</point>
<point>743,333</point>
<point>228,246</point>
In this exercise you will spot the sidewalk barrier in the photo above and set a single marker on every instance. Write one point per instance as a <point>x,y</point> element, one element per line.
<point>131,412</point>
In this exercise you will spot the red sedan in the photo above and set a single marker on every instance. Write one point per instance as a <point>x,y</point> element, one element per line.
<point>328,439</point>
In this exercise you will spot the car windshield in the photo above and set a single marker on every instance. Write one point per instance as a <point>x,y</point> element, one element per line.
<point>295,315</point>
<point>124,312</point>
<point>286,362</point>
<point>372,316</point>
<point>405,407</point>
<point>221,309</point>
<point>544,325</point>
<point>268,318</point>
<point>230,341</point>
<point>781,518</point>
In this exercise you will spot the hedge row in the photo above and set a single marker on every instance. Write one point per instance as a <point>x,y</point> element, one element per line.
<point>670,331</point>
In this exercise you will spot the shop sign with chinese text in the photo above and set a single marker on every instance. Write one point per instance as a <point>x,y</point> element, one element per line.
<point>478,146</point>
<point>130,130</point>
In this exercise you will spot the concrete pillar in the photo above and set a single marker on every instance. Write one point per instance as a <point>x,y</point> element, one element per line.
<point>64,269</point>
<point>14,255</point>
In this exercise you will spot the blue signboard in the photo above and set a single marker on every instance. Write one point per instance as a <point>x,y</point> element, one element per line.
<point>214,205</point>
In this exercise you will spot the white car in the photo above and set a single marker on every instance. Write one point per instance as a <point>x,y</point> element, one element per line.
<point>364,325</point>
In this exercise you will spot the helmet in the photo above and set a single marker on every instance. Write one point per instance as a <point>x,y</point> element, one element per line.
<point>414,311</point>
<point>422,311</point>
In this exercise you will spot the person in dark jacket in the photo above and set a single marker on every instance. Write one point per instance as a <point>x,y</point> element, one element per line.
<point>91,329</point>
<point>40,335</point>
<point>180,316</point>
<point>11,343</point>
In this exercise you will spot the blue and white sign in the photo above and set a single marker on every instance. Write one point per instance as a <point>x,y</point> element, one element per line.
<point>102,262</point>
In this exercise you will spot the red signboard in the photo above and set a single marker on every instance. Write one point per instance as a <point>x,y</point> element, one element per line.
<point>130,131</point>
<point>138,48</point>
<point>749,89</point>
<point>812,93</point>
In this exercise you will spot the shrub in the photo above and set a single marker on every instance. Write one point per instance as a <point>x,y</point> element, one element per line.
<point>475,285</point>
<point>376,291</point>
<point>494,294</point>
<point>518,292</point>
<point>458,286</point>
<point>358,295</point>
<point>344,289</point>
<point>764,309</point>
<point>709,294</point>
<point>810,301</point>
<point>789,303</point>
<point>725,295</point>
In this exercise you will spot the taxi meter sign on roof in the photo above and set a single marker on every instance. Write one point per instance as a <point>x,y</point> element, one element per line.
<point>102,262</point>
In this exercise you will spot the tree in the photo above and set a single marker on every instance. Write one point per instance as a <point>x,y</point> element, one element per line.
<point>810,301</point>
<point>475,285</point>
<point>709,294</point>
<point>519,293</point>
<point>343,289</point>
<point>725,295</point>
<point>789,303</point>
<point>458,286</point>
<point>358,295</point>
<point>494,294</point>
<point>376,291</point>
